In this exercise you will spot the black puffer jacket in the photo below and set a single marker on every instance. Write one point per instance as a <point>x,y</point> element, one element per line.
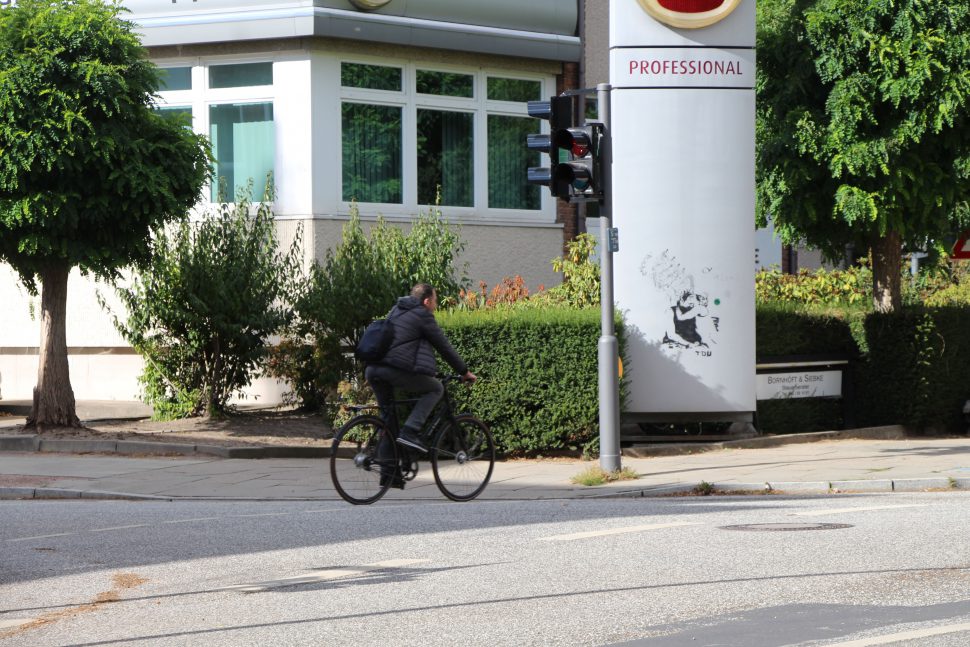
<point>416,336</point>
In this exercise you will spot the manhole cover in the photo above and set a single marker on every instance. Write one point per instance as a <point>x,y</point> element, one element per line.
<point>787,527</point>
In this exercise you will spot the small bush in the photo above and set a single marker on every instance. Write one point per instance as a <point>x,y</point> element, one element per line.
<point>358,281</point>
<point>201,312</point>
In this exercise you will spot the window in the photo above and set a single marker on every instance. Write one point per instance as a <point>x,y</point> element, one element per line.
<point>244,145</point>
<point>371,153</point>
<point>241,75</point>
<point>413,136</point>
<point>175,78</point>
<point>233,104</point>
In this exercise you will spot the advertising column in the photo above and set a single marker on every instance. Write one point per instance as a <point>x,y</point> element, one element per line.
<point>683,76</point>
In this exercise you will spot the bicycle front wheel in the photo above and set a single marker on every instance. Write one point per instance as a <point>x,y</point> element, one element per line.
<point>462,458</point>
<point>363,460</point>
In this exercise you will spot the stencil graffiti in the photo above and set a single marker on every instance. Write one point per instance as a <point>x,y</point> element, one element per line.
<point>692,325</point>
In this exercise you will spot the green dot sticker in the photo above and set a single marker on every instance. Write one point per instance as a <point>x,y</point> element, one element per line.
<point>717,302</point>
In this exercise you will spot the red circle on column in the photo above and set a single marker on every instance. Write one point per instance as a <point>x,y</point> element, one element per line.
<point>690,6</point>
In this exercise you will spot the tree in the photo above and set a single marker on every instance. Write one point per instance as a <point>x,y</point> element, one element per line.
<point>862,126</point>
<point>87,167</point>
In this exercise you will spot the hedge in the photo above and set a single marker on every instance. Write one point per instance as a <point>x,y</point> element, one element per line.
<point>538,386</point>
<point>911,367</point>
<point>783,329</point>
<point>917,372</point>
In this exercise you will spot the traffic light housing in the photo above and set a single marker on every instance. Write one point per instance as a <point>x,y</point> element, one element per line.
<point>558,111</point>
<point>574,172</point>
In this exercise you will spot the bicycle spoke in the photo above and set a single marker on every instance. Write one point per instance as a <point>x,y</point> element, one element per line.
<point>462,458</point>
<point>362,466</point>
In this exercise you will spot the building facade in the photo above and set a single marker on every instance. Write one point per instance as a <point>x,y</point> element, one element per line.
<point>389,105</point>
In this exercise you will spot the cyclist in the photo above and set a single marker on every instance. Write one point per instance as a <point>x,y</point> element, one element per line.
<point>410,365</point>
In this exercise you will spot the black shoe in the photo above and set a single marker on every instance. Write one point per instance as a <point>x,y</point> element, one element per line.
<point>409,439</point>
<point>392,480</point>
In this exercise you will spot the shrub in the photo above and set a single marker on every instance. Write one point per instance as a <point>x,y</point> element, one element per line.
<point>539,378</point>
<point>359,281</point>
<point>851,286</point>
<point>917,372</point>
<point>202,310</point>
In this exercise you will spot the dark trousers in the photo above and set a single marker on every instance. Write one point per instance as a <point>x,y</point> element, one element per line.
<point>385,379</point>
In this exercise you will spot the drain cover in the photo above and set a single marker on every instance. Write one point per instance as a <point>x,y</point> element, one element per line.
<point>787,527</point>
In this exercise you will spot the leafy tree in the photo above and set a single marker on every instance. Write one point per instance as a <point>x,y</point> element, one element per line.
<point>87,167</point>
<point>862,125</point>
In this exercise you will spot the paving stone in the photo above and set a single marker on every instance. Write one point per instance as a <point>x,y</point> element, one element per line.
<point>919,485</point>
<point>19,443</point>
<point>874,485</point>
<point>149,447</point>
<point>77,446</point>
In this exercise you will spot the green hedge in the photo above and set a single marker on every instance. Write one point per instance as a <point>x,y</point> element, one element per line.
<point>910,368</point>
<point>917,371</point>
<point>538,387</point>
<point>783,329</point>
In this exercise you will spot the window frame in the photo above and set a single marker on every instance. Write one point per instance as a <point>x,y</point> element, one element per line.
<point>201,97</point>
<point>410,101</point>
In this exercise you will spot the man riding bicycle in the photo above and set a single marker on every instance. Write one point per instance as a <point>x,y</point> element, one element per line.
<point>410,364</point>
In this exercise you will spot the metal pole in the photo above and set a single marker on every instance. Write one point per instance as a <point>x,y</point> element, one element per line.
<point>609,387</point>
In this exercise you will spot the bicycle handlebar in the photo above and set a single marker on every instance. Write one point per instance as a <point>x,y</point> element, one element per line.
<point>446,377</point>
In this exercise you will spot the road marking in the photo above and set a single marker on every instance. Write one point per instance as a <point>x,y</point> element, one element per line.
<point>134,525</point>
<point>819,513</point>
<point>193,520</point>
<point>323,575</point>
<point>261,514</point>
<point>904,635</point>
<point>618,531</point>
<point>59,534</point>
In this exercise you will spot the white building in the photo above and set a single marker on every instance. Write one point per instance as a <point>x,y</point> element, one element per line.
<point>378,101</point>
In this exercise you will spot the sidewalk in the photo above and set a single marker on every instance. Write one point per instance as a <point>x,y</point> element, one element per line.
<point>874,460</point>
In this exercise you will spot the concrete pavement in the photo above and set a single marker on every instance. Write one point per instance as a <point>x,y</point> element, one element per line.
<point>831,464</point>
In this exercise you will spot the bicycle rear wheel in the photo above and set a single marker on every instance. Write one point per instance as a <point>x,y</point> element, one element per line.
<point>362,463</point>
<point>462,458</point>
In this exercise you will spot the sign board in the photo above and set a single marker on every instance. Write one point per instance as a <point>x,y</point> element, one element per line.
<point>803,384</point>
<point>682,125</point>
<point>962,249</point>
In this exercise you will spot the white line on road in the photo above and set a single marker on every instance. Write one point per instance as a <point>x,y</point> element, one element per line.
<point>134,525</point>
<point>819,513</point>
<point>193,520</point>
<point>323,576</point>
<point>261,514</point>
<point>904,635</point>
<point>618,531</point>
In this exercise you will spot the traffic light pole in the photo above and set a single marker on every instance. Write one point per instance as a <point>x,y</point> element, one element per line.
<point>609,388</point>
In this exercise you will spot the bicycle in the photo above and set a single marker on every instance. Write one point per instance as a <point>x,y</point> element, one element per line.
<point>461,451</point>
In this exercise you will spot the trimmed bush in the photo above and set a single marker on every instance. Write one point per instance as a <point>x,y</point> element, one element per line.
<point>785,329</point>
<point>918,368</point>
<point>538,387</point>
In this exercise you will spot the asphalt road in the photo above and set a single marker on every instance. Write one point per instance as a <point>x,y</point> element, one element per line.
<point>894,570</point>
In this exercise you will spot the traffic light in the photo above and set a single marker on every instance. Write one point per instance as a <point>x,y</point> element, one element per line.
<point>573,174</point>
<point>559,112</point>
<point>580,177</point>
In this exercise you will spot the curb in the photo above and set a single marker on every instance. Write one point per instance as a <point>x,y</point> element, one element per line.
<point>889,432</point>
<point>798,487</point>
<point>33,443</point>
<point>59,493</point>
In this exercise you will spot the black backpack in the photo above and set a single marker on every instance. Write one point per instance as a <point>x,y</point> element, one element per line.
<point>376,341</point>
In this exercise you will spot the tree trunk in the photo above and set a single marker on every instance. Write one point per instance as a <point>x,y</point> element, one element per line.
<point>53,396</point>
<point>887,258</point>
